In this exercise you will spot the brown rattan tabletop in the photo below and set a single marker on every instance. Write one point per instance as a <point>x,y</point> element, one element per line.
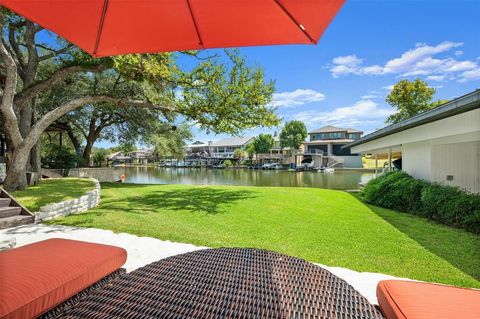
<point>226,283</point>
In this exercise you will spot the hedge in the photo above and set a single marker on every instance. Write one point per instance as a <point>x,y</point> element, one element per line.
<point>446,204</point>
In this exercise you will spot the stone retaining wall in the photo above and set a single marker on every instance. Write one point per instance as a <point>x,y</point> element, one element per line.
<point>3,171</point>
<point>103,174</point>
<point>71,206</point>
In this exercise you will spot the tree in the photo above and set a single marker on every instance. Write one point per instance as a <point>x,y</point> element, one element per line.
<point>99,156</point>
<point>238,154</point>
<point>220,95</point>
<point>250,151</point>
<point>293,134</point>
<point>263,143</point>
<point>410,98</point>
<point>167,141</point>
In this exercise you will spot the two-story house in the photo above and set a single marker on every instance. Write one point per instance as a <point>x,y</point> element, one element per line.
<point>329,141</point>
<point>226,147</point>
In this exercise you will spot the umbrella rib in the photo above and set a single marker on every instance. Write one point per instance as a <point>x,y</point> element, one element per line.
<point>100,27</point>
<point>300,26</point>
<point>200,41</point>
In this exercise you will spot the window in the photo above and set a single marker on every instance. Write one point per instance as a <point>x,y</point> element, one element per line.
<point>327,136</point>
<point>353,136</point>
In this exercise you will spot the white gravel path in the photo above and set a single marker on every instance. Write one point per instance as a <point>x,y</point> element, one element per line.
<point>144,250</point>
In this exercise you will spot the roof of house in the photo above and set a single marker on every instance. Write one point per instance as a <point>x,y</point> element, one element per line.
<point>114,155</point>
<point>197,144</point>
<point>331,129</point>
<point>233,141</point>
<point>456,106</point>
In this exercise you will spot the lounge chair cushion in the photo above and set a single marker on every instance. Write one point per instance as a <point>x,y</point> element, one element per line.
<point>401,299</point>
<point>39,276</point>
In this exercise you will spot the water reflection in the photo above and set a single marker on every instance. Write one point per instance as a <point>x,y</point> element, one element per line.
<point>246,177</point>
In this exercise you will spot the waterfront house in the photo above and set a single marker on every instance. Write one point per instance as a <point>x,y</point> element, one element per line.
<point>197,149</point>
<point>225,148</point>
<point>441,145</point>
<point>329,143</point>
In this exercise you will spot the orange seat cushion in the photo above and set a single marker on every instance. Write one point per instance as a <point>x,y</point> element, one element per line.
<point>401,299</point>
<point>37,277</point>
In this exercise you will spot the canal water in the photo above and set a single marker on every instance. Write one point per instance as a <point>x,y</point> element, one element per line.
<point>340,179</point>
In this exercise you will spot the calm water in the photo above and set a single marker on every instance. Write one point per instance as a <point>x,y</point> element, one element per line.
<point>246,177</point>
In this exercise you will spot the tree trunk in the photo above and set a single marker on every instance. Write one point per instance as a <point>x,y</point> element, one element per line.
<point>16,170</point>
<point>87,154</point>
<point>36,161</point>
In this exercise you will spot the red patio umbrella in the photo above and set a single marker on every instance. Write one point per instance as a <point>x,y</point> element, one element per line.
<point>112,27</point>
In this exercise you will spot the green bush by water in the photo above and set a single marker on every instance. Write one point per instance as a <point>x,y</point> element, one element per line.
<point>446,204</point>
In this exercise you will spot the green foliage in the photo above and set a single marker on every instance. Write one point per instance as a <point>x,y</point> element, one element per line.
<point>250,150</point>
<point>410,98</point>
<point>395,190</point>
<point>245,162</point>
<point>228,163</point>
<point>446,204</point>
<point>99,156</point>
<point>452,206</point>
<point>58,157</point>
<point>293,134</point>
<point>263,143</point>
<point>238,154</point>
<point>169,140</point>
<point>226,97</point>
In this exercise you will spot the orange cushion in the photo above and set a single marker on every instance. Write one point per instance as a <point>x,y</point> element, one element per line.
<point>36,277</point>
<point>400,299</point>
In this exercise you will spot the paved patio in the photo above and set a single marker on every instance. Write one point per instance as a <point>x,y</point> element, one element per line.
<point>144,250</point>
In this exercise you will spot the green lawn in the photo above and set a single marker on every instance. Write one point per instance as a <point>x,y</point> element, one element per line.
<point>324,226</point>
<point>53,191</point>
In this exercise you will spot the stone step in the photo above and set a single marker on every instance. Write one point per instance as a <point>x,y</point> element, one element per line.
<point>13,221</point>
<point>4,202</point>
<point>10,211</point>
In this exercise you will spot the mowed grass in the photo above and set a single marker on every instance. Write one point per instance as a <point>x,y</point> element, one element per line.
<point>53,190</point>
<point>324,226</point>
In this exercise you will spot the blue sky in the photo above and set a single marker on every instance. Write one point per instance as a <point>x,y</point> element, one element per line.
<point>369,46</point>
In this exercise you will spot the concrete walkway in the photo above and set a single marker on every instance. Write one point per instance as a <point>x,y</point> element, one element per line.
<point>144,250</point>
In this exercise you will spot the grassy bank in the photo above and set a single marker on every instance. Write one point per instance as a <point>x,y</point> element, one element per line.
<point>324,226</point>
<point>53,191</point>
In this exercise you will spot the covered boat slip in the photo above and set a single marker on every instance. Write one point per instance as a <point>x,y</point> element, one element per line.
<point>441,145</point>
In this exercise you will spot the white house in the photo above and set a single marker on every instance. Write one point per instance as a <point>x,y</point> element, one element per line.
<point>441,145</point>
<point>226,147</point>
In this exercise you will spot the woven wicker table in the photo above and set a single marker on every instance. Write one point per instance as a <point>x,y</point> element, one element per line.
<point>226,283</point>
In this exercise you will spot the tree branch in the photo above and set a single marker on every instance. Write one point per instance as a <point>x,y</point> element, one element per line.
<point>60,111</point>
<point>26,94</point>
<point>10,119</point>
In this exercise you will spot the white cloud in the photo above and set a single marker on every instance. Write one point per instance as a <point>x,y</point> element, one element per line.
<point>296,98</point>
<point>470,75</point>
<point>345,65</point>
<point>419,61</point>
<point>438,78</point>
<point>363,112</point>
<point>369,97</point>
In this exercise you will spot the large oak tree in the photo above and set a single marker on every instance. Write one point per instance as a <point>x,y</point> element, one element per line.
<point>221,94</point>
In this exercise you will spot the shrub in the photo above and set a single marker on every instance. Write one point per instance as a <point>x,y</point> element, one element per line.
<point>451,205</point>
<point>396,190</point>
<point>58,157</point>
<point>228,163</point>
<point>446,204</point>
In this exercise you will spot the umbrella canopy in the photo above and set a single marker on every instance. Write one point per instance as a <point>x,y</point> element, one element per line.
<point>112,27</point>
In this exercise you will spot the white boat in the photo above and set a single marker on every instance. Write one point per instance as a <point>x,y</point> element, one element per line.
<point>328,170</point>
